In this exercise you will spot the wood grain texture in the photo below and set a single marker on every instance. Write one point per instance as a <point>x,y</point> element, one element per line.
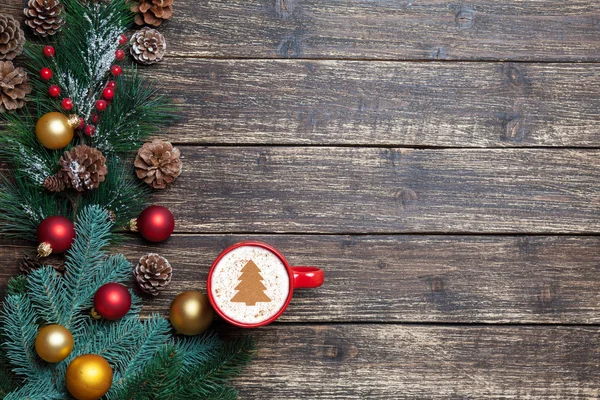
<point>423,362</point>
<point>435,279</point>
<point>384,103</point>
<point>387,29</point>
<point>372,190</point>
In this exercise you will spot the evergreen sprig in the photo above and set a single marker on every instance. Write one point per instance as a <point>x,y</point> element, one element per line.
<point>85,51</point>
<point>147,363</point>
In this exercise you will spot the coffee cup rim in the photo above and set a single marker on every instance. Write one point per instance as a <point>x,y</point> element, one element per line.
<point>228,250</point>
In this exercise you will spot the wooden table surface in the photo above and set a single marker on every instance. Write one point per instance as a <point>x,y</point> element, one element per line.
<point>439,159</point>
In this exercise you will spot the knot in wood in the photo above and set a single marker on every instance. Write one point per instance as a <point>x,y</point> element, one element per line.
<point>464,18</point>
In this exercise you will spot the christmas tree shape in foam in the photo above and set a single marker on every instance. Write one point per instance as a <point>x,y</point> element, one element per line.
<point>250,289</point>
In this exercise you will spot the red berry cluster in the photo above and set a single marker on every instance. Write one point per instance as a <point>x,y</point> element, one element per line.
<point>108,93</point>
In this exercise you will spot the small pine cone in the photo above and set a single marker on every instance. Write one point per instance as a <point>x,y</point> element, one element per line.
<point>83,168</point>
<point>29,264</point>
<point>14,86</point>
<point>55,183</point>
<point>44,17</point>
<point>158,164</point>
<point>147,46</point>
<point>12,37</point>
<point>152,12</point>
<point>153,273</point>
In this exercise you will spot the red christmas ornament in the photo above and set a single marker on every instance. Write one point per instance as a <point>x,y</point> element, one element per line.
<point>67,104</point>
<point>46,73</point>
<point>81,123</point>
<point>100,105</point>
<point>95,119</point>
<point>89,130</point>
<point>119,54</point>
<point>55,235</point>
<point>48,51</point>
<point>108,93</point>
<point>116,70</point>
<point>112,301</point>
<point>155,223</point>
<point>54,91</point>
<point>122,39</point>
<point>111,84</point>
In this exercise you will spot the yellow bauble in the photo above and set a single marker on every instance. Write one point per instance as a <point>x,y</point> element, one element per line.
<point>89,377</point>
<point>54,343</point>
<point>190,313</point>
<point>55,130</point>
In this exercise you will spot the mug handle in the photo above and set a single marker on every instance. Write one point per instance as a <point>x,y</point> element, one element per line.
<point>307,277</point>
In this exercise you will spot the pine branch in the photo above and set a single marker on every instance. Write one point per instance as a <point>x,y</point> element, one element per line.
<point>19,329</point>
<point>211,377</point>
<point>46,289</point>
<point>136,112</point>
<point>84,257</point>
<point>155,333</point>
<point>17,285</point>
<point>39,388</point>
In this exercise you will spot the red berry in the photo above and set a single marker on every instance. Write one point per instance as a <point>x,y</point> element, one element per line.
<point>46,73</point>
<point>67,104</point>
<point>119,54</point>
<point>116,70</point>
<point>95,118</point>
<point>122,39</point>
<point>48,51</point>
<point>54,91</point>
<point>81,123</point>
<point>100,105</point>
<point>111,84</point>
<point>89,130</point>
<point>108,93</point>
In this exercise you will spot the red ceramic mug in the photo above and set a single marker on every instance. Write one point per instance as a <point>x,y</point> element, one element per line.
<point>250,284</point>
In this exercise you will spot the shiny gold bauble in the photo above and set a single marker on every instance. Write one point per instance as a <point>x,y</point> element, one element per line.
<point>55,130</point>
<point>190,313</point>
<point>89,377</point>
<point>54,343</point>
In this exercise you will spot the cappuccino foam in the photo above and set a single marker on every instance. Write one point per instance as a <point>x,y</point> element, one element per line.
<point>250,284</point>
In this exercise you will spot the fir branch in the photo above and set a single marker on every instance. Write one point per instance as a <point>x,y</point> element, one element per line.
<point>17,285</point>
<point>46,289</point>
<point>155,333</point>
<point>85,255</point>
<point>19,329</point>
<point>39,388</point>
<point>209,378</point>
<point>161,372</point>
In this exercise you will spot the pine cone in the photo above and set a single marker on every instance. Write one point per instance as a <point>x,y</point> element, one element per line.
<point>152,12</point>
<point>83,168</point>
<point>147,46</point>
<point>153,273</point>
<point>12,37</point>
<point>56,183</point>
<point>44,17</point>
<point>14,86</point>
<point>158,164</point>
<point>29,264</point>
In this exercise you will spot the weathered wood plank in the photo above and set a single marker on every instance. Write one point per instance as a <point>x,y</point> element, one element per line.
<point>384,103</point>
<point>388,29</point>
<point>456,279</point>
<point>371,190</point>
<point>423,362</point>
<point>543,30</point>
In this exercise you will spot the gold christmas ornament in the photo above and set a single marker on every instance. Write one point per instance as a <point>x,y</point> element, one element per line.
<point>55,130</point>
<point>89,377</point>
<point>190,313</point>
<point>54,343</point>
